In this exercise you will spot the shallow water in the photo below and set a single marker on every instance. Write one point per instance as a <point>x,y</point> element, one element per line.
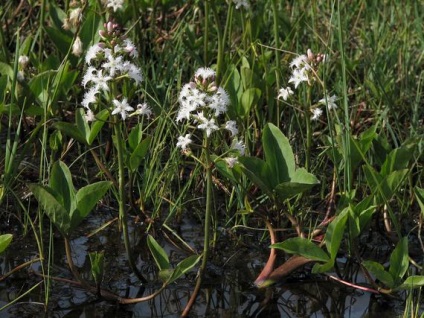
<point>228,286</point>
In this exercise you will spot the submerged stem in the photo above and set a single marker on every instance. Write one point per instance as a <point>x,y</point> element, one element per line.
<point>208,216</point>
<point>121,200</point>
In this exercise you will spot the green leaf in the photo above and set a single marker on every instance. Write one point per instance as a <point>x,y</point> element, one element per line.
<point>61,39</point>
<point>278,154</point>
<point>398,159</point>
<point>257,171</point>
<point>419,194</point>
<point>322,268</point>
<point>399,260</point>
<point>378,271</point>
<point>70,130</point>
<point>5,240</point>
<point>183,267</point>
<point>53,208</point>
<point>139,153</point>
<point>412,282</point>
<point>134,137</point>
<point>61,182</point>
<point>334,234</point>
<point>159,254</point>
<point>303,247</point>
<point>97,125</point>
<point>249,98</point>
<point>97,265</point>
<point>82,124</point>
<point>86,198</point>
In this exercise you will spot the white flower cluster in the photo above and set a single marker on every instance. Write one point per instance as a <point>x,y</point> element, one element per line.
<point>242,3</point>
<point>303,70</point>
<point>110,62</point>
<point>201,103</point>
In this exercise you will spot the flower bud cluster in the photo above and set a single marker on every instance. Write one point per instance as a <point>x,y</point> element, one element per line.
<point>110,63</point>
<point>202,102</point>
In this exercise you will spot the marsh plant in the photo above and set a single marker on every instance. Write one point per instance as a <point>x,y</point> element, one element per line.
<point>171,114</point>
<point>203,105</point>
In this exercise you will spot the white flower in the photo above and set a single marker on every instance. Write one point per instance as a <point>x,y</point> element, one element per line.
<point>219,101</point>
<point>329,101</point>
<point>284,93</point>
<point>115,4</point>
<point>89,75</point>
<point>92,53</point>
<point>77,47</point>
<point>89,115</point>
<point>238,146</point>
<point>205,73</point>
<point>206,124</point>
<point>113,64</point>
<point>183,142</point>
<point>299,61</point>
<point>317,112</point>
<point>241,3</point>
<point>231,161</point>
<point>142,109</point>
<point>89,97</point>
<point>190,99</point>
<point>231,125</point>
<point>130,48</point>
<point>298,77</point>
<point>100,81</point>
<point>133,71</point>
<point>121,108</point>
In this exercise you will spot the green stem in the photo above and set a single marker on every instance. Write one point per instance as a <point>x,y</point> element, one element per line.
<point>277,58</point>
<point>308,134</point>
<point>121,199</point>
<point>221,40</point>
<point>208,217</point>
<point>206,34</point>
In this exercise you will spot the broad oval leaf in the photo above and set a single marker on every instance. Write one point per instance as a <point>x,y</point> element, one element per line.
<point>5,240</point>
<point>379,272</point>
<point>97,125</point>
<point>70,130</point>
<point>412,282</point>
<point>159,254</point>
<point>334,234</point>
<point>278,154</point>
<point>139,153</point>
<point>249,98</point>
<point>399,260</point>
<point>303,247</point>
<point>54,210</point>
<point>257,171</point>
<point>86,198</point>
<point>183,267</point>
<point>61,182</point>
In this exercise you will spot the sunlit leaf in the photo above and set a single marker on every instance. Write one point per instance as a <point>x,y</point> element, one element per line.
<point>61,182</point>
<point>412,282</point>
<point>159,254</point>
<point>379,272</point>
<point>139,153</point>
<point>303,247</point>
<point>399,260</point>
<point>53,208</point>
<point>86,199</point>
<point>183,267</point>
<point>5,240</point>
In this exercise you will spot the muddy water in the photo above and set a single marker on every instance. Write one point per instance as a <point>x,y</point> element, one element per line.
<point>227,292</point>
